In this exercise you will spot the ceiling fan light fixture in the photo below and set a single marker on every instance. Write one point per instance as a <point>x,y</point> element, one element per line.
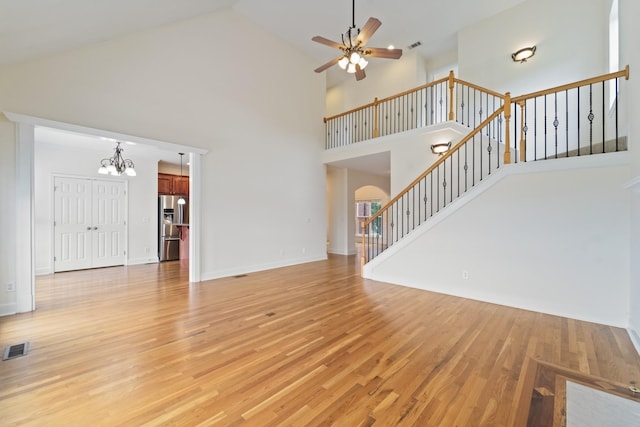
<point>363,63</point>
<point>354,58</point>
<point>351,68</point>
<point>343,62</point>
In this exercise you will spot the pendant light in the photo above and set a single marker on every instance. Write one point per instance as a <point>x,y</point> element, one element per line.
<point>181,200</point>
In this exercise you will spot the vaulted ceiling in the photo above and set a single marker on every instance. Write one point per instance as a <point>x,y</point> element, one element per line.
<point>33,28</point>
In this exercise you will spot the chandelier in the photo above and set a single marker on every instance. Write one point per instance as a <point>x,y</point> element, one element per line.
<point>117,165</point>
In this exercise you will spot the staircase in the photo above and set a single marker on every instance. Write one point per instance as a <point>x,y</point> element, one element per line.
<point>573,120</point>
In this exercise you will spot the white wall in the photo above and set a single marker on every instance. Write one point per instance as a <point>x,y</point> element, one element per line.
<point>7,210</point>
<point>544,238</point>
<point>629,10</point>
<point>385,77</point>
<point>263,179</point>
<point>570,35</point>
<point>51,160</point>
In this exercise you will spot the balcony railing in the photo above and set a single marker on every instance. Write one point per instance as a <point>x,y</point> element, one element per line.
<point>447,99</point>
<point>569,120</point>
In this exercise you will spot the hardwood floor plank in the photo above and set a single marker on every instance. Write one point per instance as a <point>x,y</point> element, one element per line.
<point>313,344</point>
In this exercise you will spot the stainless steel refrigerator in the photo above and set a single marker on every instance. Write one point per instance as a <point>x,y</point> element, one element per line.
<point>170,215</point>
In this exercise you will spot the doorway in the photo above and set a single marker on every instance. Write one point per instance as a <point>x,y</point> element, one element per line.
<point>25,205</point>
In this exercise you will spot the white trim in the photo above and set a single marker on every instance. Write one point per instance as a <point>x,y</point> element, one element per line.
<point>633,185</point>
<point>259,267</point>
<point>37,121</point>
<point>25,224</point>
<point>8,309</point>
<point>635,339</point>
<point>45,271</point>
<point>342,252</point>
<point>138,261</point>
<point>195,205</point>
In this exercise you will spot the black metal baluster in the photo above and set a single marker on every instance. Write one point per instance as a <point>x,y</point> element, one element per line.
<point>616,106</point>
<point>555,121</point>
<point>535,128</point>
<point>590,117</point>
<point>545,127</point>
<point>566,110</point>
<point>604,117</point>
<point>466,168</point>
<point>425,197</point>
<point>578,121</point>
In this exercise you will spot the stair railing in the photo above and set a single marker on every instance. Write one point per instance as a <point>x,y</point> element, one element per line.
<point>575,119</point>
<point>446,99</point>
<point>584,123</point>
<point>470,161</point>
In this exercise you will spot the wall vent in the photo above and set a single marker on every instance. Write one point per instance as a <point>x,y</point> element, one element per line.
<point>414,45</point>
<point>16,350</point>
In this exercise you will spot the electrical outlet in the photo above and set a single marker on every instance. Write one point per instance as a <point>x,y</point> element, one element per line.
<point>11,287</point>
<point>465,274</point>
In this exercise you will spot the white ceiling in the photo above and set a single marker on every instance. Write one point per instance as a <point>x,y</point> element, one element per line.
<point>35,28</point>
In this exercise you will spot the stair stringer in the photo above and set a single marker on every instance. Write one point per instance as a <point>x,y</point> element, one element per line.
<point>557,245</point>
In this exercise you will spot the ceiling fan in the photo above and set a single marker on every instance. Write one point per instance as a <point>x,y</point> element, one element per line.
<point>353,47</point>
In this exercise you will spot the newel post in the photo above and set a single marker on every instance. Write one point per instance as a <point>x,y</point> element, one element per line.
<point>375,117</point>
<point>507,134</point>
<point>451,86</point>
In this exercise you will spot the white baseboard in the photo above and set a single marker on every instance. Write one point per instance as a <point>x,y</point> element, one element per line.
<point>44,271</point>
<point>341,252</point>
<point>635,339</point>
<point>138,261</point>
<point>8,309</point>
<point>254,268</point>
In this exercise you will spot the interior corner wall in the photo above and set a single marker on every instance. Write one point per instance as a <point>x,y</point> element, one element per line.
<point>628,12</point>
<point>570,36</point>
<point>263,203</point>
<point>55,160</point>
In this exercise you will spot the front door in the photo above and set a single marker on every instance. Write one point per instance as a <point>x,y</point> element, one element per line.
<point>89,223</point>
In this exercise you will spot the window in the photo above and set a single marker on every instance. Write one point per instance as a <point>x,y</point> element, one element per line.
<point>364,211</point>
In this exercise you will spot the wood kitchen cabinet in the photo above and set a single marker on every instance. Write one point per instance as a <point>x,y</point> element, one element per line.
<point>173,184</point>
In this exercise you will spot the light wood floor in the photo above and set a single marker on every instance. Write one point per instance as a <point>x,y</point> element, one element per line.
<point>308,345</point>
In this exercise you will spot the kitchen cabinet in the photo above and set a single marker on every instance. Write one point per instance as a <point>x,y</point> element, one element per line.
<point>173,184</point>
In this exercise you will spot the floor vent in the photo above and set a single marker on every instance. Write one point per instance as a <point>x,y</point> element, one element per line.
<point>239,276</point>
<point>16,350</point>
<point>270,314</point>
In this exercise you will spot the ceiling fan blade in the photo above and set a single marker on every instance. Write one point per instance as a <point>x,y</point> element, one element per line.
<point>380,52</point>
<point>327,65</point>
<point>327,42</point>
<point>360,74</point>
<point>370,27</point>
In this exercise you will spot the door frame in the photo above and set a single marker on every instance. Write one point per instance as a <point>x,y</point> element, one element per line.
<point>25,201</point>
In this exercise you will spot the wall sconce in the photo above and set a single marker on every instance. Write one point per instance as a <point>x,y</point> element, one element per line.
<point>441,148</point>
<point>523,54</point>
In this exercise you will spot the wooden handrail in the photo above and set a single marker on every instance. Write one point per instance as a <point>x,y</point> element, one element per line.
<point>480,88</point>
<point>389,98</point>
<point>436,164</point>
<point>622,73</point>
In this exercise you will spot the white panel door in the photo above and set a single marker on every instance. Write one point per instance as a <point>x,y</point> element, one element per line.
<point>108,223</point>
<point>72,224</point>
<point>89,223</point>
